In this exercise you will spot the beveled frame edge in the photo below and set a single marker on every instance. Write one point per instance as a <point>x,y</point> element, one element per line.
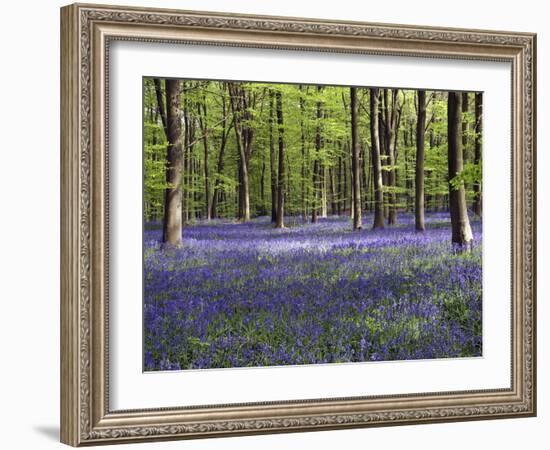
<point>85,32</point>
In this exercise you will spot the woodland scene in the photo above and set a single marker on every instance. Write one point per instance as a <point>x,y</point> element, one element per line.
<point>290,224</point>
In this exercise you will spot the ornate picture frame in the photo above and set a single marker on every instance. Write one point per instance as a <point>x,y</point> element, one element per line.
<point>86,34</point>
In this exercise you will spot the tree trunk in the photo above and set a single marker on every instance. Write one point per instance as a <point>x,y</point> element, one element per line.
<point>219,169</point>
<point>478,149</point>
<point>390,130</point>
<point>345,172</point>
<point>464,109</point>
<point>460,225</point>
<point>339,185</point>
<point>324,209</point>
<point>355,165</point>
<point>419,169</point>
<point>160,104</point>
<point>272,161</point>
<point>383,150</point>
<point>303,148</point>
<point>466,156</point>
<point>332,186</point>
<point>281,175</point>
<point>376,166</point>
<point>243,160</point>
<point>203,122</point>
<point>171,230</point>
<point>316,169</point>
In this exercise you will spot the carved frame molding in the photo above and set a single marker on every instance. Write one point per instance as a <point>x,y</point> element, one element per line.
<point>86,31</point>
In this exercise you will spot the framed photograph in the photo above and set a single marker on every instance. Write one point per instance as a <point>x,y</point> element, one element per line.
<point>276,224</point>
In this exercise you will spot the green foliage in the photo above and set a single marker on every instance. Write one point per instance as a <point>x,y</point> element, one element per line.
<point>470,174</point>
<point>300,129</point>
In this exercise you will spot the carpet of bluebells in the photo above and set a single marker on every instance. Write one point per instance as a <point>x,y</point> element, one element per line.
<point>241,295</point>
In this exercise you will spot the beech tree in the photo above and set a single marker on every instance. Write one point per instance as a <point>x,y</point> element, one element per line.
<point>224,135</point>
<point>419,166</point>
<point>356,185</point>
<point>316,164</point>
<point>390,131</point>
<point>477,150</point>
<point>243,141</point>
<point>273,177</point>
<point>281,175</point>
<point>171,232</point>
<point>203,122</point>
<point>460,225</point>
<point>376,165</point>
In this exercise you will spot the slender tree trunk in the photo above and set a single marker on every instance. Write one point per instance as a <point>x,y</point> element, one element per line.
<point>357,221</point>
<point>352,183</point>
<point>281,175</point>
<point>339,185</point>
<point>203,122</point>
<point>160,104</point>
<point>464,109</point>
<point>345,172</point>
<point>323,172</point>
<point>219,169</point>
<point>390,130</point>
<point>288,186</point>
<point>171,230</point>
<point>419,169</point>
<point>461,232</point>
<point>478,149</point>
<point>364,177</point>
<point>187,168</point>
<point>397,124</point>
<point>272,160</point>
<point>192,162</point>
<point>369,191</point>
<point>383,150</point>
<point>408,184</point>
<point>196,188</point>
<point>243,160</point>
<point>316,168</point>
<point>332,186</point>
<point>465,148</point>
<point>303,148</point>
<point>376,166</point>
<point>314,206</point>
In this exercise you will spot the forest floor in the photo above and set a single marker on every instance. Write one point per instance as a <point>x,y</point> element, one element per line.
<point>238,295</point>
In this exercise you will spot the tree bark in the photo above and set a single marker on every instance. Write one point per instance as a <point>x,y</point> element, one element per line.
<point>383,151</point>
<point>464,109</point>
<point>376,166</point>
<point>345,176</point>
<point>160,104</point>
<point>203,122</point>
<point>419,169</point>
<point>171,230</point>
<point>390,130</point>
<point>316,169</point>
<point>339,185</point>
<point>243,159</point>
<point>478,150</point>
<point>357,221</point>
<point>323,173</point>
<point>281,175</point>
<point>272,160</point>
<point>332,190</point>
<point>303,154</point>
<point>461,232</point>
<point>219,169</point>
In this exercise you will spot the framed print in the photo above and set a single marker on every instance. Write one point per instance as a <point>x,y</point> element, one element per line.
<point>279,224</point>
